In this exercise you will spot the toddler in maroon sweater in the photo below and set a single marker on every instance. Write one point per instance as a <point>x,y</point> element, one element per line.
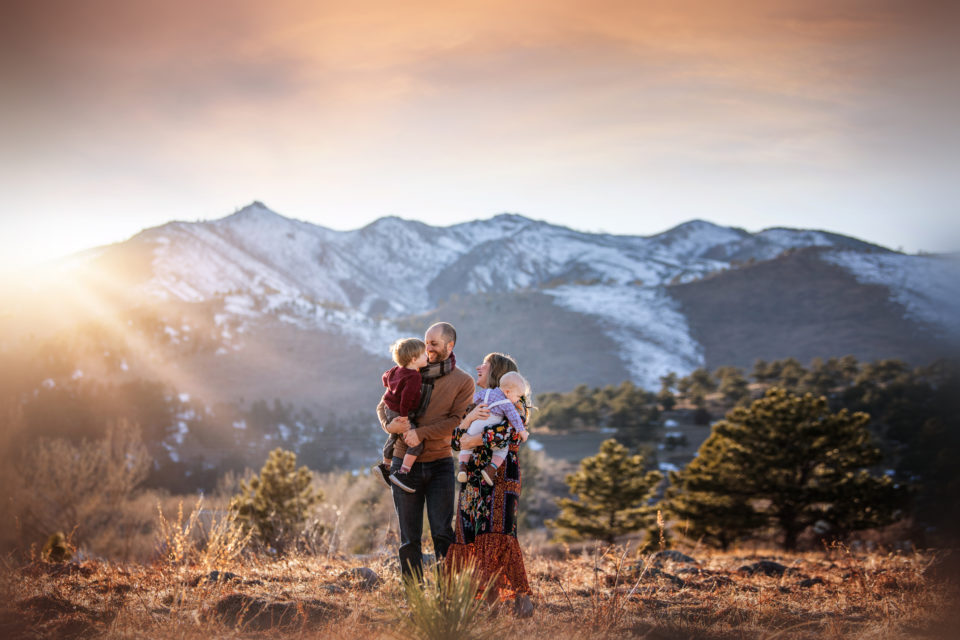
<point>402,398</point>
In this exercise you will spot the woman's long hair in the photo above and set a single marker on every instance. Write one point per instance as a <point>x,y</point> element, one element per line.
<point>500,363</point>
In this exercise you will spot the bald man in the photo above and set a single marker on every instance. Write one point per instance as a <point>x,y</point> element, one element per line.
<point>446,393</point>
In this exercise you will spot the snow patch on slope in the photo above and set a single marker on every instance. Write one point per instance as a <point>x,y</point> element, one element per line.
<point>927,287</point>
<point>693,239</point>
<point>645,321</point>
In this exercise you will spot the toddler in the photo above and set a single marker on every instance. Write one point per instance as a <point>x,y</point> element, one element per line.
<point>402,398</point>
<point>502,403</point>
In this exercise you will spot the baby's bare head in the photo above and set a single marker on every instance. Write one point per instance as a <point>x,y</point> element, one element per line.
<point>514,386</point>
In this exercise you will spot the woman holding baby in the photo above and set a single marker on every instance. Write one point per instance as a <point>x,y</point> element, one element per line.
<point>485,526</point>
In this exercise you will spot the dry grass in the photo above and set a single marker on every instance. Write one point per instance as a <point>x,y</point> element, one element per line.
<point>589,594</point>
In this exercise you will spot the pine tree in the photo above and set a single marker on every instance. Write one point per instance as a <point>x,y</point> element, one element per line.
<point>733,385</point>
<point>791,373</point>
<point>761,371</point>
<point>665,397</point>
<point>612,491</point>
<point>699,498</point>
<point>795,463</point>
<point>276,503</point>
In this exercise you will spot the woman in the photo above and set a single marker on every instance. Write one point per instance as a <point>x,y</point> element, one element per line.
<point>486,522</point>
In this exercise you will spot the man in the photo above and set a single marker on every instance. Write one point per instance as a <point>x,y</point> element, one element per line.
<point>447,392</point>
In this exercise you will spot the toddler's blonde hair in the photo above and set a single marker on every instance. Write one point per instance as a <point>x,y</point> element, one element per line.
<point>406,350</point>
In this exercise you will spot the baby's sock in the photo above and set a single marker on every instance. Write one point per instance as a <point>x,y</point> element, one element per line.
<point>404,468</point>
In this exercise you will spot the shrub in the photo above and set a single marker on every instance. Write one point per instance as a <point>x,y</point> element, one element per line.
<point>449,604</point>
<point>274,505</point>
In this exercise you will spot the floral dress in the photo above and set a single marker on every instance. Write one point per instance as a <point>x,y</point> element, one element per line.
<point>486,523</point>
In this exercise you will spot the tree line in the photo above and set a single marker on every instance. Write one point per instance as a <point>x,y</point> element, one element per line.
<point>835,447</point>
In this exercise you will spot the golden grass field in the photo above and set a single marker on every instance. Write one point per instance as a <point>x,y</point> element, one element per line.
<point>580,594</point>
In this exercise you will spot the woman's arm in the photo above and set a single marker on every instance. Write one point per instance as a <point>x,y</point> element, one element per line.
<point>469,441</point>
<point>463,440</point>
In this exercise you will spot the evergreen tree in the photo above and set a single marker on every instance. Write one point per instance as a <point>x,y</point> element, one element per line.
<point>796,463</point>
<point>697,497</point>
<point>761,371</point>
<point>665,397</point>
<point>696,385</point>
<point>849,369</point>
<point>733,385</point>
<point>823,377</point>
<point>633,412</point>
<point>612,491</point>
<point>791,373</point>
<point>668,381</point>
<point>276,503</point>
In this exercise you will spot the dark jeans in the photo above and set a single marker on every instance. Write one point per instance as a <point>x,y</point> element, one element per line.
<point>434,486</point>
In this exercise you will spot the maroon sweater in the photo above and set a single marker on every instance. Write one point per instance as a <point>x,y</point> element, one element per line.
<point>403,389</point>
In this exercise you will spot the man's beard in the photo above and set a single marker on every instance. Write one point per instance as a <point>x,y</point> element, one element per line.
<point>438,356</point>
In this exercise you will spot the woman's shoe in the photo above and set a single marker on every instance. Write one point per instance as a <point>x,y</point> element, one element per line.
<point>489,474</point>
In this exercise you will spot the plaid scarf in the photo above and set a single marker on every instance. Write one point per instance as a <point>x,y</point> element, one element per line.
<point>429,374</point>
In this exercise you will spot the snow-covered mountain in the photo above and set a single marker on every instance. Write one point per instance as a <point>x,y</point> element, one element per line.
<point>257,267</point>
<point>394,267</point>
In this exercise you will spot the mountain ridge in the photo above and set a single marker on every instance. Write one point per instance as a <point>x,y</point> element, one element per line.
<point>256,267</point>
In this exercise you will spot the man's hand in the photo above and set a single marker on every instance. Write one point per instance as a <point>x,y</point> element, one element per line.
<point>469,441</point>
<point>411,437</point>
<point>399,425</point>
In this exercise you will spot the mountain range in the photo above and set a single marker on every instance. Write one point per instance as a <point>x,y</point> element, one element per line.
<point>257,305</point>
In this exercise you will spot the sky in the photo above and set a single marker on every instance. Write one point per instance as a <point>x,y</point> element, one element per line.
<point>617,116</point>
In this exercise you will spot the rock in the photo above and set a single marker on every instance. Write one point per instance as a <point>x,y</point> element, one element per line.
<point>945,567</point>
<point>61,618</point>
<point>215,576</point>
<point>810,582</point>
<point>48,607</point>
<point>360,577</point>
<point>766,567</point>
<point>671,555</point>
<point>56,570</point>
<point>332,588</point>
<point>657,574</point>
<point>70,627</point>
<point>523,608</point>
<point>260,614</point>
<point>713,582</point>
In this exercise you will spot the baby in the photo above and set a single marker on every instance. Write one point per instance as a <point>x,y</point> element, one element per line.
<point>402,398</point>
<point>502,403</point>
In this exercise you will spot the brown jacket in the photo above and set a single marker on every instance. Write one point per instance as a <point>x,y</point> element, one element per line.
<point>451,396</point>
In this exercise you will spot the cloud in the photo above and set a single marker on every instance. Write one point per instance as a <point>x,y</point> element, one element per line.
<point>773,105</point>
